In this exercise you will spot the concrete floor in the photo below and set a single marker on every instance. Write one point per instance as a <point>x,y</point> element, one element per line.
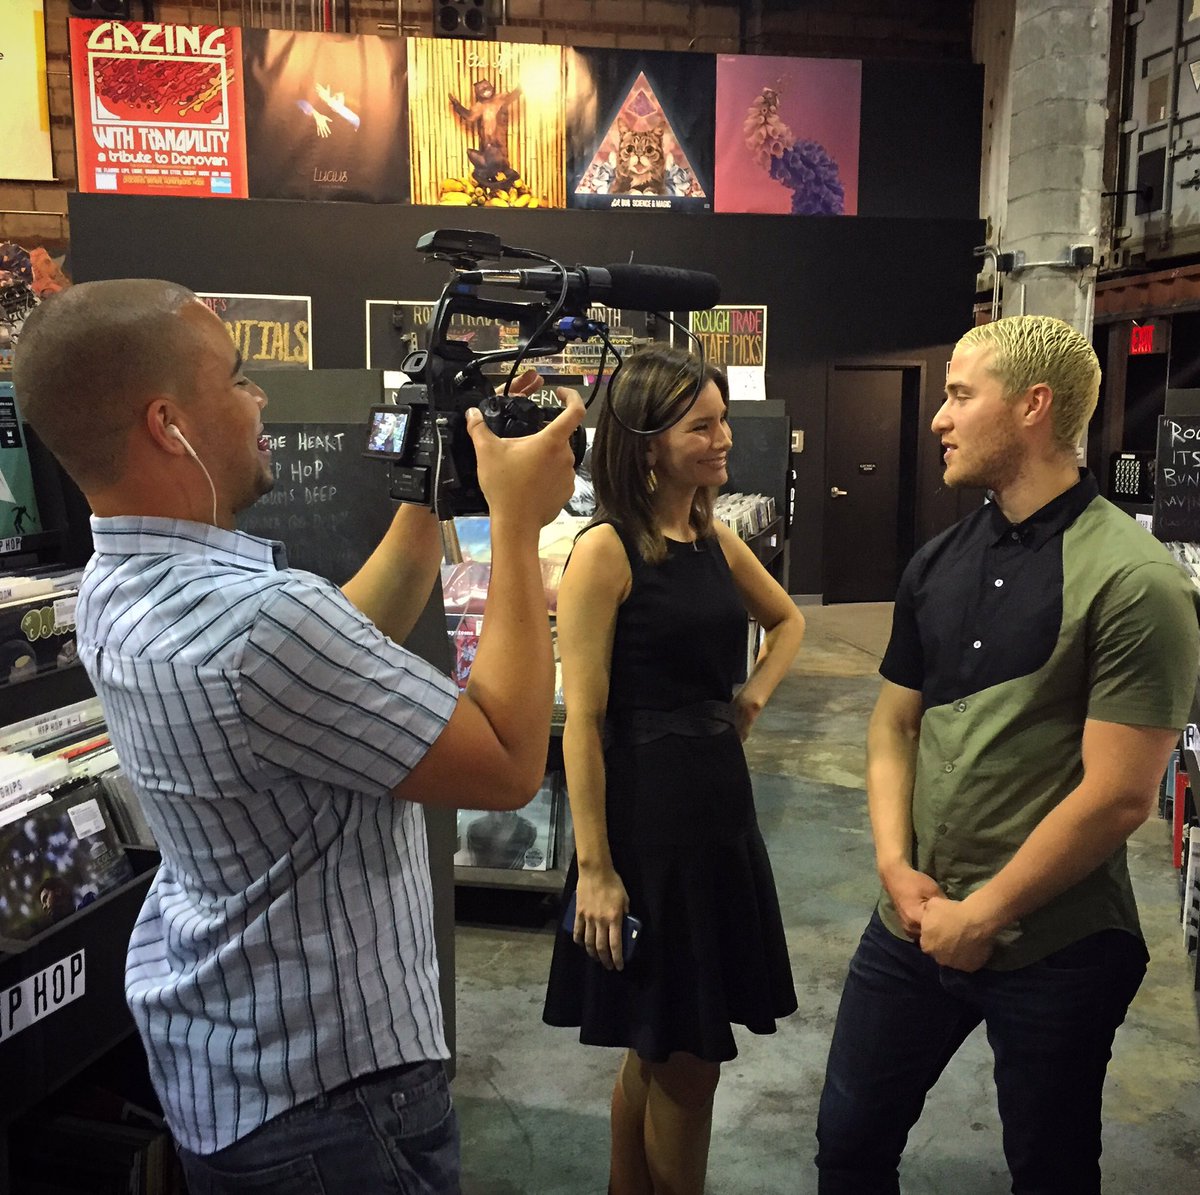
<point>533,1103</point>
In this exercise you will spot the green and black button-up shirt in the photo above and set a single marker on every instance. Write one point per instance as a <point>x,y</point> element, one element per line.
<point>1015,636</point>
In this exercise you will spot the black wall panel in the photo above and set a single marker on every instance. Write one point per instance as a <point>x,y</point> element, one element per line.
<point>833,287</point>
<point>921,139</point>
<point>898,279</point>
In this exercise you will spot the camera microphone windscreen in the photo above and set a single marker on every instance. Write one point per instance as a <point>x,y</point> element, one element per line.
<point>624,285</point>
<point>656,288</point>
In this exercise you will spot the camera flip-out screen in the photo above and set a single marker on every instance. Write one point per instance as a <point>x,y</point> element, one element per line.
<point>387,433</point>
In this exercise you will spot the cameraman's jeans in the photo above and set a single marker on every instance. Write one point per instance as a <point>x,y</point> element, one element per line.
<point>1050,1026</point>
<point>394,1132</point>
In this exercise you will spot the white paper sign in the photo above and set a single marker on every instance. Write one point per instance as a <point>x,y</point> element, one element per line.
<point>64,612</point>
<point>746,382</point>
<point>86,818</point>
<point>37,996</point>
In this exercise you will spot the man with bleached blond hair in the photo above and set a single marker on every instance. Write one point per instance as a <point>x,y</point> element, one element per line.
<point>1041,664</point>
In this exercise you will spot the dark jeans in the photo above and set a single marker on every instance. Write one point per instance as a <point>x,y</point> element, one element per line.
<point>1050,1026</point>
<point>393,1132</point>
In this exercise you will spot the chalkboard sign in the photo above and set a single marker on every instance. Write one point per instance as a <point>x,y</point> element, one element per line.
<point>329,507</point>
<point>1177,479</point>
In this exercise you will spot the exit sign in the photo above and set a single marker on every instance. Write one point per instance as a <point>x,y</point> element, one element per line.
<point>1147,338</point>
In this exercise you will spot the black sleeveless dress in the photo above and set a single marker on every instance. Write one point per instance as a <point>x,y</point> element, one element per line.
<point>682,831</point>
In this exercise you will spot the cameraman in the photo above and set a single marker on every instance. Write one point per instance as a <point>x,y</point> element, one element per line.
<point>282,972</point>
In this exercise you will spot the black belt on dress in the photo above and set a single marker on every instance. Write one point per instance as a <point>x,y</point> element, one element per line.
<point>634,727</point>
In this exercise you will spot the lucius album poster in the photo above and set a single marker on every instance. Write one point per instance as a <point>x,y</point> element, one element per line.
<point>788,135</point>
<point>158,109</point>
<point>325,116</point>
<point>640,129</point>
<point>486,123</point>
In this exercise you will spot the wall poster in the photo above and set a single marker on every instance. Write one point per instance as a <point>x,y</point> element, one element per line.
<point>486,124</point>
<point>640,129</point>
<point>158,109</point>
<point>788,135</point>
<point>25,151</point>
<point>18,499</point>
<point>326,116</point>
<point>270,331</point>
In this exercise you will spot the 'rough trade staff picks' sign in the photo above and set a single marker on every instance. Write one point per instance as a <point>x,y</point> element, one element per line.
<point>159,109</point>
<point>732,335</point>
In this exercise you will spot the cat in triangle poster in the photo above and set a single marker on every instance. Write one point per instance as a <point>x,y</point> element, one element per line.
<point>640,129</point>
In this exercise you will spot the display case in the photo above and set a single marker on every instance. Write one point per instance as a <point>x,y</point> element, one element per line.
<point>528,848</point>
<point>506,847</point>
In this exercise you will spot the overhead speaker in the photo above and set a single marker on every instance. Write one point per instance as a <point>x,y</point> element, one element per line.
<point>463,18</point>
<point>99,10</point>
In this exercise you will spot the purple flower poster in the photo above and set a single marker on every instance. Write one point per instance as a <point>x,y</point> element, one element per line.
<point>787,135</point>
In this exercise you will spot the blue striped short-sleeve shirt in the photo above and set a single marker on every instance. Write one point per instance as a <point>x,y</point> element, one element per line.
<point>286,944</point>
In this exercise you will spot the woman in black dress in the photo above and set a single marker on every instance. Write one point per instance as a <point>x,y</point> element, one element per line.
<point>652,634</point>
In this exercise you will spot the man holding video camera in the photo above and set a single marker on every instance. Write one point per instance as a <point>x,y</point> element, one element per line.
<point>282,973</point>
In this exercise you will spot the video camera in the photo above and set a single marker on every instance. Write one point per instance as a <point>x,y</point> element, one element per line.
<point>424,433</point>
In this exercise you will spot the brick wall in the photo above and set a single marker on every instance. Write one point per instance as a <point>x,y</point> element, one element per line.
<point>820,28</point>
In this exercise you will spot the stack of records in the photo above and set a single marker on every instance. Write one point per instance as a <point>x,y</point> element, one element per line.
<point>58,857</point>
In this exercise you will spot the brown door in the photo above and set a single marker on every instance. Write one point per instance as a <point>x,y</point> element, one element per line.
<point>869,500</point>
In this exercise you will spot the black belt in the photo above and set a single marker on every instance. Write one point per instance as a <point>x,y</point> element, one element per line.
<point>632,728</point>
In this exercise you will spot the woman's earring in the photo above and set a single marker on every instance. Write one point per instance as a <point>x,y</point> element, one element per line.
<point>651,481</point>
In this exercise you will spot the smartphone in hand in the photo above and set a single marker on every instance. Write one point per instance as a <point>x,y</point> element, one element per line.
<point>631,929</point>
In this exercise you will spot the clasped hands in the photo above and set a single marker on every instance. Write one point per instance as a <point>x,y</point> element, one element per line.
<point>951,932</point>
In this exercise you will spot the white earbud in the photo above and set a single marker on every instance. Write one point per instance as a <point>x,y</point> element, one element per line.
<point>172,430</point>
<point>175,433</point>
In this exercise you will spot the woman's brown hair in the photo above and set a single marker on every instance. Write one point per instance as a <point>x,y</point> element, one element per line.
<point>654,384</point>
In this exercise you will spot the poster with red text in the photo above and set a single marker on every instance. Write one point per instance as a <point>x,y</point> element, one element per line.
<point>159,109</point>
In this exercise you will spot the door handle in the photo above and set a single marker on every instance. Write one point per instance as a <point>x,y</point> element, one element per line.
<point>834,492</point>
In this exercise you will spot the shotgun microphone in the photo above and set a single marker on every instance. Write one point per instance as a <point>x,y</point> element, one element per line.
<point>624,285</point>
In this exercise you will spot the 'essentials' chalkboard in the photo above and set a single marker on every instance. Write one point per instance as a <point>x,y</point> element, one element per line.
<point>1177,479</point>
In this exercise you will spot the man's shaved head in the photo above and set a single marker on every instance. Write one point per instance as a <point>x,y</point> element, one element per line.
<point>87,361</point>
